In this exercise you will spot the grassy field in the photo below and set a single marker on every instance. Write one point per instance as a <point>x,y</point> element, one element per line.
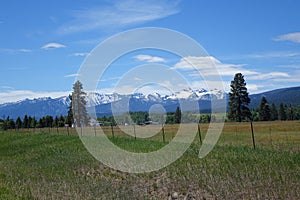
<point>37,165</point>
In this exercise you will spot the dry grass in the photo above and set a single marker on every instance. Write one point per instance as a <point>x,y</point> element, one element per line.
<point>39,165</point>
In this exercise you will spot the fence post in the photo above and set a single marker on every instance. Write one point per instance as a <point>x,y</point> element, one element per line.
<point>163,133</point>
<point>95,129</point>
<point>199,133</point>
<point>253,140</point>
<point>112,130</point>
<point>68,130</point>
<point>134,131</point>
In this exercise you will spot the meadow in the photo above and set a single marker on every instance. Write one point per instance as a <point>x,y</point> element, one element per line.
<point>53,164</point>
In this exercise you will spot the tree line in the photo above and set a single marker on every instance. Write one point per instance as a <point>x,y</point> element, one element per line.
<point>32,122</point>
<point>239,101</point>
<point>238,110</point>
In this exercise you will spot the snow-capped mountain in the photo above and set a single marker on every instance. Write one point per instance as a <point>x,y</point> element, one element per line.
<point>139,102</point>
<point>103,102</point>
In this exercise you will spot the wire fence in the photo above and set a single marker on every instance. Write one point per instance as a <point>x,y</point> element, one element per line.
<point>275,135</point>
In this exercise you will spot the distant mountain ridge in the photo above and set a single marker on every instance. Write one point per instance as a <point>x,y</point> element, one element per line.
<point>284,95</point>
<point>139,102</point>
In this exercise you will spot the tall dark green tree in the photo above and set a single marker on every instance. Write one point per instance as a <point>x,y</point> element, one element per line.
<point>18,123</point>
<point>239,99</point>
<point>264,110</point>
<point>177,116</point>
<point>69,119</point>
<point>78,105</point>
<point>274,112</point>
<point>290,113</point>
<point>25,122</point>
<point>281,112</point>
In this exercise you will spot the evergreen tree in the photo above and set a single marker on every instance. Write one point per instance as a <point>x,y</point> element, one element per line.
<point>78,103</point>
<point>18,123</point>
<point>29,122</point>
<point>11,124</point>
<point>33,123</point>
<point>238,99</point>
<point>25,122</point>
<point>264,110</point>
<point>69,119</point>
<point>48,121</point>
<point>61,121</point>
<point>41,123</point>
<point>274,112</point>
<point>55,122</point>
<point>177,116</point>
<point>290,113</point>
<point>281,112</point>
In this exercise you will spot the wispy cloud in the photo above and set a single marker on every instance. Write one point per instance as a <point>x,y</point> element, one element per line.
<point>5,87</point>
<point>209,65</point>
<point>292,37</point>
<point>80,54</point>
<point>293,78</point>
<point>118,14</point>
<point>14,51</point>
<point>271,75</point>
<point>148,58</point>
<point>279,54</point>
<point>71,75</point>
<point>53,45</point>
<point>17,95</point>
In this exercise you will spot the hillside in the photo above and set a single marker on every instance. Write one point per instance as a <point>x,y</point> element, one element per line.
<point>284,95</point>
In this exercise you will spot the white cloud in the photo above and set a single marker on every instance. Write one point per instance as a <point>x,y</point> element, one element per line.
<point>17,95</point>
<point>292,37</point>
<point>24,50</point>
<point>148,58</point>
<point>83,54</point>
<point>14,51</point>
<point>53,45</point>
<point>71,75</point>
<point>209,66</point>
<point>118,14</point>
<point>271,75</point>
<point>292,78</point>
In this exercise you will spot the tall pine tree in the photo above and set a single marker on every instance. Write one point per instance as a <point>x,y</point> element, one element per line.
<point>238,99</point>
<point>69,119</point>
<point>177,116</point>
<point>78,103</point>
<point>281,112</point>
<point>264,110</point>
<point>274,112</point>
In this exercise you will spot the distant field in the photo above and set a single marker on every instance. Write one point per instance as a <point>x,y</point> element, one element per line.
<point>37,165</point>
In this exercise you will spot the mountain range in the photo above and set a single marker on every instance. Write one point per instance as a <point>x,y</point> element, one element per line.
<point>103,103</point>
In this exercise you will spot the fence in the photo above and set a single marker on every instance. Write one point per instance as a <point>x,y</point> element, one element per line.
<point>278,135</point>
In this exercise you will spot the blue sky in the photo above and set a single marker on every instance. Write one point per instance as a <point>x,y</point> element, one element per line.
<point>43,43</point>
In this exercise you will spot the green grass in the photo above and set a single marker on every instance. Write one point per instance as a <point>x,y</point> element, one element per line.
<point>51,166</point>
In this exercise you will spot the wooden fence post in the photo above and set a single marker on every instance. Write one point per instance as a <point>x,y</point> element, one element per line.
<point>199,133</point>
<point>163,133</point>
<point>253,140</point>
<point>134,131</point>
<point>112,130</point>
